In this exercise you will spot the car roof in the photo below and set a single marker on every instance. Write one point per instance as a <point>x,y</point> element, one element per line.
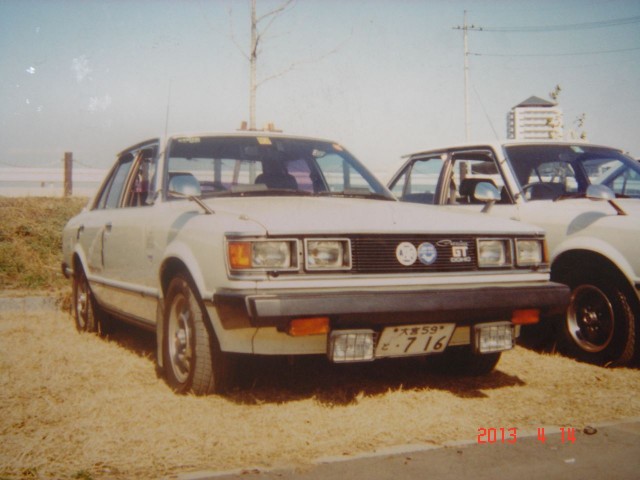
<point>499,144</point>
<point>163,139</point>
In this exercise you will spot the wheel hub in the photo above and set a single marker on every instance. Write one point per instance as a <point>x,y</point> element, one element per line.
<point>590,318</point>
<point>180,349</point>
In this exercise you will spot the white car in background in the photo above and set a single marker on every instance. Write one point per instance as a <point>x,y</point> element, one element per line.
<point>586,197</point>
<point>264,244</point>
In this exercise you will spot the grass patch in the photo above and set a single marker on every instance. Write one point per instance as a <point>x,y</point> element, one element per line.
<point>31,240</point>
<point>79,406</point>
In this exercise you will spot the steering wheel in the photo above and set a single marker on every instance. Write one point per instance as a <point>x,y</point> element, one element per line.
<point>546,185</point>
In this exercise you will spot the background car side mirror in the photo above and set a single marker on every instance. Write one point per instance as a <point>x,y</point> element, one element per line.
<point>602,192</point>
<point>486,192</point>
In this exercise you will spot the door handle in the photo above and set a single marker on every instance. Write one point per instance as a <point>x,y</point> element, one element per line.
<point>79,232</point>
<point>108,226</point>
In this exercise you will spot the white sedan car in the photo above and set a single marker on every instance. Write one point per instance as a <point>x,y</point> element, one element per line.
<point>266,244</point>
<point>586,197</point>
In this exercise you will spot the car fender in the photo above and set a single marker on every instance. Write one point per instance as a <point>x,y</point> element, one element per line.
<point>180,251</point>
<point>600,247</point>
<point>80,255</point>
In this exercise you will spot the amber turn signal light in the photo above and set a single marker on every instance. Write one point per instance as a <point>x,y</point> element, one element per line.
<point>525,317</point>
<point>300,327</point>
<point>239,254</point>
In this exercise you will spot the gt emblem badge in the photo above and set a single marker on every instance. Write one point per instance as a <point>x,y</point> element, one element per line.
<point>406,253</point>
<point>427,253</point>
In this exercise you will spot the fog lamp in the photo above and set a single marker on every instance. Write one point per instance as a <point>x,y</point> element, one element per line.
<point>351,346</point>
<point>493,337</point>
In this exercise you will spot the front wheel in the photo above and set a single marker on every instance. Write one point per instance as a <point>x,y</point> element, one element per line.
<point>599,326</point>
<point>193,361</point>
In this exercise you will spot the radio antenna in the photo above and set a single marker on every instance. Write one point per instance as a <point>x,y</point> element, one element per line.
<point>166,120</point>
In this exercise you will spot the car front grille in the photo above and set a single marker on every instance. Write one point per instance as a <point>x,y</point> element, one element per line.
<point>378,254</point>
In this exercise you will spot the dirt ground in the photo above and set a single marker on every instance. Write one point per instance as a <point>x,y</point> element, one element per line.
<point>79,406</point>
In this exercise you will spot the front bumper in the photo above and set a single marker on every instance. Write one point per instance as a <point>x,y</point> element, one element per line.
<point>464,306</point>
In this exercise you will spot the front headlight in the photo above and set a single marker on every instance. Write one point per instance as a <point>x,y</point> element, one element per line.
<point>494,253</point>
<point>529,252</point>
<point>327,254</point>
<point>262,254</point>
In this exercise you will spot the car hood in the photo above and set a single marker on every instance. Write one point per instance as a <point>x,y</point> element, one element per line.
<point>571,208</point>
<point>631,206</point>
<point>329,215</point>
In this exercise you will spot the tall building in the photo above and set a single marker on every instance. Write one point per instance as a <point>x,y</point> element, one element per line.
<point>535,119</point>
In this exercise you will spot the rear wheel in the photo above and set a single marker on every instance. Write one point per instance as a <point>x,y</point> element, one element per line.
<point>85,310</point>
<point>193,361</point>
<point>599,325</point>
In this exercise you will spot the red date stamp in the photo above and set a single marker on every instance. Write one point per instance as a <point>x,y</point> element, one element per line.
<point>510,435</point>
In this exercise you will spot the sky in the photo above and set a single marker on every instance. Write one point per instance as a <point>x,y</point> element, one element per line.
<point>384,78</point>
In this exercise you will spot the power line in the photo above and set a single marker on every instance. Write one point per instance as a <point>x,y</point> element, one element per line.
<point>564,28</point>
<point>475,54</point>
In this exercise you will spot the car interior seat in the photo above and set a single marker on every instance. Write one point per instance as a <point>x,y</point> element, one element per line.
<point>275,175</point>
<point>468,188</point>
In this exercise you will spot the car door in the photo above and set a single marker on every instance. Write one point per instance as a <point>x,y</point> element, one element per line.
<point>95,227</point>
<point>128,265</point>
<point>451,177</point>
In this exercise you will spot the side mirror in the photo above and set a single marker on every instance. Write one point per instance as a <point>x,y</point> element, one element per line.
<point>486,192</point>
<point>600,192</point>
<point>604,193</point>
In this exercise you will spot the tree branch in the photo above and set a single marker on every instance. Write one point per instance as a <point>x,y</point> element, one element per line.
<point>232,34</point>
<point>296,64</point>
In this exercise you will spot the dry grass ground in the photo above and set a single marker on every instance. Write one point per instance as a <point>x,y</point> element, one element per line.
<point>78,406</point>
<point>30,240</point>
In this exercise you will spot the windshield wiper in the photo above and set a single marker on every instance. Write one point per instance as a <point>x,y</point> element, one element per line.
<point>355,193</point>
<point>242,191</point>
<point>193,198</point>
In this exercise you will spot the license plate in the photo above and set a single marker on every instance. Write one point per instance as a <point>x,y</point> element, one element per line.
<point>406,340</point>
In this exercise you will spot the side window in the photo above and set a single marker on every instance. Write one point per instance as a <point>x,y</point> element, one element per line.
<point>419,182</point>
<point>623,181</point>
<point>142,186</point>
<point>468,170</point>
<point>110,195</point>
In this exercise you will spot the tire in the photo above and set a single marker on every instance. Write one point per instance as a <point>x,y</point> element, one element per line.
<point>462,361</point>
<point>193,361</point>
<point>85,310</point>
<point>599,326</point>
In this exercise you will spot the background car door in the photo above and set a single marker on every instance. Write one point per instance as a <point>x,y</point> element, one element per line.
<point>450,178</point>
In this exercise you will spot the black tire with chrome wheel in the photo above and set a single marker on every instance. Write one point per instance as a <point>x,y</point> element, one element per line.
<point>599,326</point>
<point>193,361</point>
<point>85,311</point>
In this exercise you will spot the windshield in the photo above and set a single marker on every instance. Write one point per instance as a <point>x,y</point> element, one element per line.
<point>549,171</point>
<point>265,165</point>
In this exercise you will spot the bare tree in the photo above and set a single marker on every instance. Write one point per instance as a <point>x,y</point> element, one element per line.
<point>578,123</point>
<point>260,25</point>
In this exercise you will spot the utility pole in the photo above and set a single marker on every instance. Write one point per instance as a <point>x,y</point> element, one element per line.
<point>253,59</point>
<point>465,29</point>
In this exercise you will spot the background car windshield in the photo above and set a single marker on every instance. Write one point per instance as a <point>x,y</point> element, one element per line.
<point>570,169</point>
<point>259,165</point>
